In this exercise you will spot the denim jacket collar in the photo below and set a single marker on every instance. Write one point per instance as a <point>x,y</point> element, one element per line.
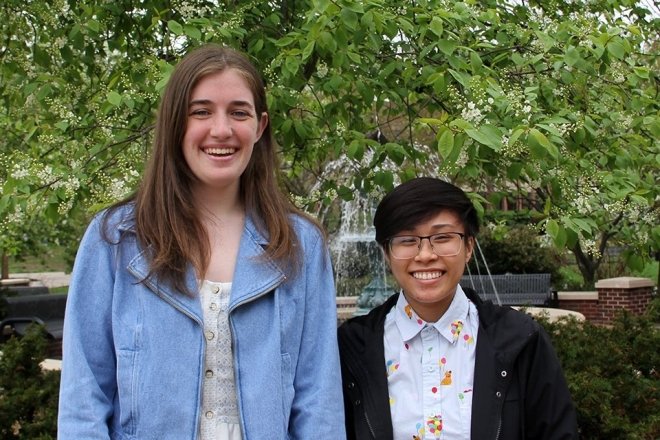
<point>255,275</point>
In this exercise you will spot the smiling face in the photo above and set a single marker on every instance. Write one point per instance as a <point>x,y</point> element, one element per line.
<point>222,128</point>
<point>429,281</point>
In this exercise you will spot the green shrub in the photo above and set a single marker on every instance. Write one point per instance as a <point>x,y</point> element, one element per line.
<point>613,374</point>
<point>28,394</point>
<point>515,249</point>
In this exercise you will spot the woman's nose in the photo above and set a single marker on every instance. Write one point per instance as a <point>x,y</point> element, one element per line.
<point>426,250</point>
<point>221,127</point>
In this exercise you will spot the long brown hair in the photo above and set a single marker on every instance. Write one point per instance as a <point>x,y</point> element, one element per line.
<point>166,219</point>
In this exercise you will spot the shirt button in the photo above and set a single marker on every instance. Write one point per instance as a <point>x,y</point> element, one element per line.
<point>503,373</point>
<point>431,369</point>
<point>209,335</point>
<point>209,373</point>
<point>498,394</point>
<point>209,414</point>
<point>214,306</point>
<point>216,289</point>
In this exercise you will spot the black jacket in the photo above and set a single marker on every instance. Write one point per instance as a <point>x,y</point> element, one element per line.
<point>519,388</point>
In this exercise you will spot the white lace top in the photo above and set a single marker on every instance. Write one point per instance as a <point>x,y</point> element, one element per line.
<point>219,415</point>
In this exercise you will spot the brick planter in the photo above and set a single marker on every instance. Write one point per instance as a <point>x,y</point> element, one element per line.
<point>611,297</point>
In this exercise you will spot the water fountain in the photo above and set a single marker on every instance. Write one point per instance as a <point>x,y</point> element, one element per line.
<point>360,269</point>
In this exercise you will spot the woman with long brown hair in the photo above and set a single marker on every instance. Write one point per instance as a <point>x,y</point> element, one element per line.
<point>203,307</point>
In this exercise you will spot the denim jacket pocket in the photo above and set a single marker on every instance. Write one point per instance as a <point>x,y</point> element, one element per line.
<point>127,390</point>
<point>287,389</point>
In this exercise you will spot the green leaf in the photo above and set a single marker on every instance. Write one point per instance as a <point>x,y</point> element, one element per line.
<point>487,135</point>
<point>345,193</point>
<point>41,56</point>
<point>308,50</point>
<point>384,179</point>
<point>514,170</point>
<point>517,59</point>
<point>349,19</point>
<point>552,227</point>
<point>356,150</point>
<point>446,46</point>
<point>560,238</point>
<point>540,139</point>
<point>616,49</point>
<point>114,98</point>
<point>475,61</point>
<point>94,26</point>
<point>642,72</point>
<point>515,135</point>
<point>572,56</point>
<point>462,78</point>
<point>582,224</point>
<point>192,32</point>
<point>292,63</point>
<point>175,27</point>
<point>436,26</point>
<point>62,125</point>
<point>446,143</point>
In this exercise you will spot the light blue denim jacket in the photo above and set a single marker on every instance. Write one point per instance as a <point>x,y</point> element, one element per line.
<point>133,353</point>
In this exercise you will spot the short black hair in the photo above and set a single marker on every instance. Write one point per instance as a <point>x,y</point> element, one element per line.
<point>419,199</point>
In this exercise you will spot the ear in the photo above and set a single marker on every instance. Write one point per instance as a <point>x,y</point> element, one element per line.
<point>263,123</point>
<point>469,247</point>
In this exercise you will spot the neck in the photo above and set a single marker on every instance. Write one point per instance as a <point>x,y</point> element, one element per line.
<point>218,203</point>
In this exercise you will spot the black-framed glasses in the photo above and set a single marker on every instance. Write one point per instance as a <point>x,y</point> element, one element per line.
<point>444,244</point>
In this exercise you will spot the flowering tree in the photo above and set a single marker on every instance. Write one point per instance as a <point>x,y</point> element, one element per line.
<point>551,100</point>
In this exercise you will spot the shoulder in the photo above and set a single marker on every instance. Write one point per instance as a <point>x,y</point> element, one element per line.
<point>306,229</point>
<point>360,327</point>
<point>113,223</point>
<point>506,328</point>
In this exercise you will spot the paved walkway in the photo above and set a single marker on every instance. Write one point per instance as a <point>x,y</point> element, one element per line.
<point>48,279</point>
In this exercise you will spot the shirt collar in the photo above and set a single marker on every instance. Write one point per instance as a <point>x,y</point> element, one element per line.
<point>449,325</point>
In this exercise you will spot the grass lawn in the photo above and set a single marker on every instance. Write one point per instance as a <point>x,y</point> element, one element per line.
<point>53,260</point>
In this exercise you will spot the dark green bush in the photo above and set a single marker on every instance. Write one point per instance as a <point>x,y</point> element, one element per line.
<point>28,394</point>
<point>515,249</point>
<point>613,374</point>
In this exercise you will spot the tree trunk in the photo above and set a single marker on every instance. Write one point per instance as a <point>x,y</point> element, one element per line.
<point>587,265</point>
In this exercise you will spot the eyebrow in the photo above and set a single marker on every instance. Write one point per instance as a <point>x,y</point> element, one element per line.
<point>238,103</point>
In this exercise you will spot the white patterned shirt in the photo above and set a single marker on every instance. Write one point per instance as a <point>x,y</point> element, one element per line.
<point>430,370</point>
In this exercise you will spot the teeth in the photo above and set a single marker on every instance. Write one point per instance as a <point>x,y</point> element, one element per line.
<point>426,275</point>
<point>220,151</point>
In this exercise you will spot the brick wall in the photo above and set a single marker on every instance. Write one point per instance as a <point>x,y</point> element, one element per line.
<point>612,295</point>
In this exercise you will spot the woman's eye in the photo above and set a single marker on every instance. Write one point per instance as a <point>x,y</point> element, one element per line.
<point>200,112</point>
<point>441,238</point>
<point>407,241</point>
<point>240,114</point>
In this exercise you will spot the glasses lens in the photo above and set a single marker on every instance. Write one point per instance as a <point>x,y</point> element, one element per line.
<point>404,246</point>
<point>444,245</point>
